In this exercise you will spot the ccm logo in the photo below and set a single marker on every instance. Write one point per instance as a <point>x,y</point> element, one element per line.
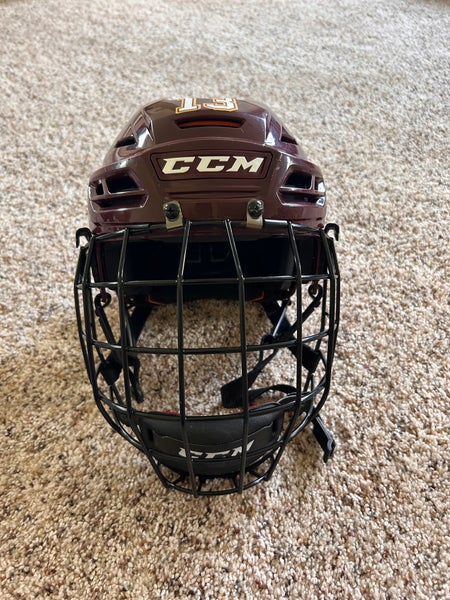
<point>212,164</point>
<point>211,455</point>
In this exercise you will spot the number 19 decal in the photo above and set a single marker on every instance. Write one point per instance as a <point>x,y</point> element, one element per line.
<point>190,105</point>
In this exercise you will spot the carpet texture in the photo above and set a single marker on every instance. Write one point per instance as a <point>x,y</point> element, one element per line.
<point>364,86</point>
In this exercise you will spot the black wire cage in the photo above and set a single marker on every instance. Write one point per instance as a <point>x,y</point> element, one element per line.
<point>123,278</point>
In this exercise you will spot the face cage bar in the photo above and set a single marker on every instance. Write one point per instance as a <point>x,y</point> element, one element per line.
<point>301,405</point>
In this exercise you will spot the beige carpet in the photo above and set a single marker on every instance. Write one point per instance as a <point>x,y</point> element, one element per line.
<point>364,85</point>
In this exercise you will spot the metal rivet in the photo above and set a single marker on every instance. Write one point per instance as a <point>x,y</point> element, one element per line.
<point>171,211</point>
<point>255,208</point>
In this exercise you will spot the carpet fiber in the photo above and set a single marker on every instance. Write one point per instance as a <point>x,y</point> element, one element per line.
<point>364,86</point>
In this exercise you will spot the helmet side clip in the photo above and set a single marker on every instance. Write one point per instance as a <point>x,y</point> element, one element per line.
<point>173,214</point>
<point>255,210</point>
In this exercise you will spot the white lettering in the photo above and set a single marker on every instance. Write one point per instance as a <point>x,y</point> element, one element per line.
<point>240,162</point>
<point>190,105</point>
<point>204,164</point>
<point>210,455</point>
<point>170,167</point>
<point>228,104</point>
<point>187,105</point>
<point>178,165</point>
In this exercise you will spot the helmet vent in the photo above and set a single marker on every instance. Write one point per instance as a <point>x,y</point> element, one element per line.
<point>287,138</point>
<point>299,188</point>
<point>299,180</point>
<point>129,140</point>
<point>121,183</point>
<point>128,201</point>
<point>98,186</point>
<point>187,123</point>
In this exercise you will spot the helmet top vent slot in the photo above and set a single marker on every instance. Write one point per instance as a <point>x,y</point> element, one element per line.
<point>210,122</point>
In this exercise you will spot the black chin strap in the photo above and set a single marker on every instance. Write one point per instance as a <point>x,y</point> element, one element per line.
<point>283,331</point>
<point>231,392</point>
<point>112,366</point>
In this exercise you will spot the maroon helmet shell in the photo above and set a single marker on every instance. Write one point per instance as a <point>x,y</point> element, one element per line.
<point>203,201</point>
<point>210,155</point>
